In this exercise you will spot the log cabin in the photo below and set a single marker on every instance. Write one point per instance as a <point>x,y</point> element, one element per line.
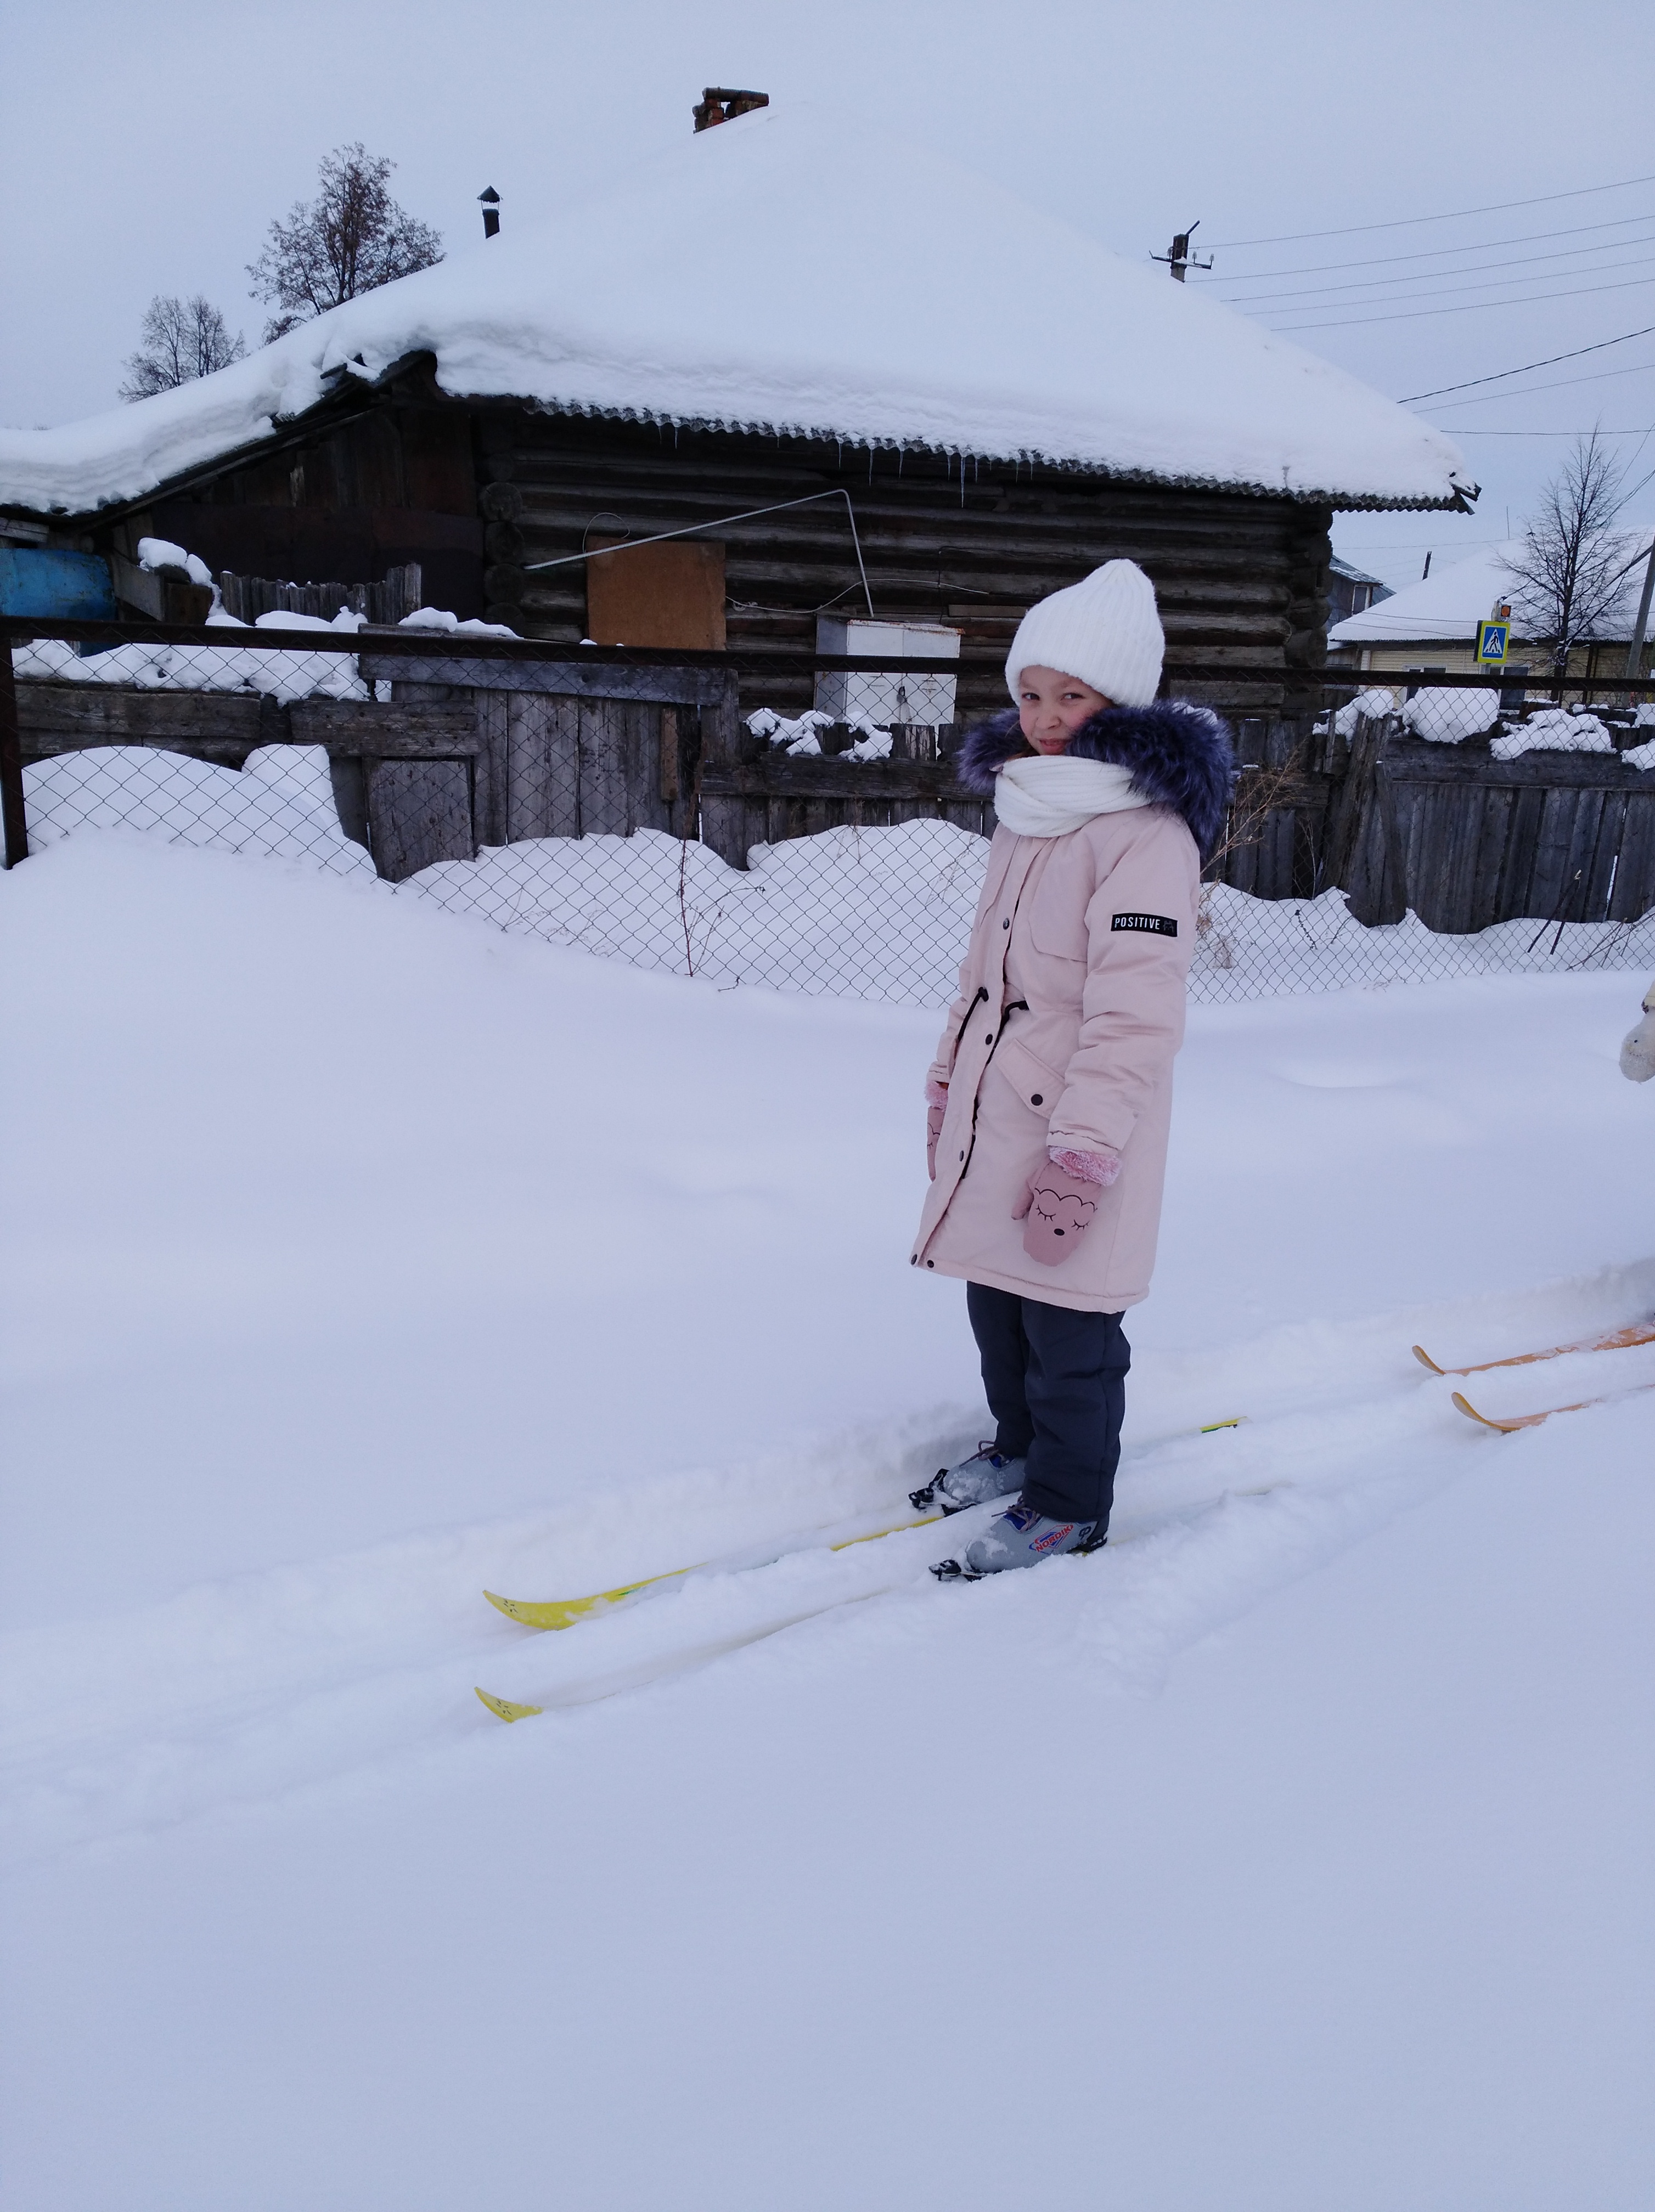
<point>826,374</point>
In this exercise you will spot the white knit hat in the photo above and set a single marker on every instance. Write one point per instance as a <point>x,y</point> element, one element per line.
<point>1104,629</point>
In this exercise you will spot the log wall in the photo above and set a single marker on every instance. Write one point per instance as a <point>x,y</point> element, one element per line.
<point>1241,580</point>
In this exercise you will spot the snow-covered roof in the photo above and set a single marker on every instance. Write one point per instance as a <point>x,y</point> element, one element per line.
<point>1451,601</point>
<point>789,272</point>
<point>1353,574</point>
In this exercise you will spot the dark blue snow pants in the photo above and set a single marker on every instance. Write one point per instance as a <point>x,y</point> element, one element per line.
<point>1056,1386</point>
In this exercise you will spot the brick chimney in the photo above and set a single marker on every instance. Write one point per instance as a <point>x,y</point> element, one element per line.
<point>718,104</point>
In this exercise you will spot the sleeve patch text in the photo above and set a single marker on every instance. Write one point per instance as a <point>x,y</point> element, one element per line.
<point>1157,925</point>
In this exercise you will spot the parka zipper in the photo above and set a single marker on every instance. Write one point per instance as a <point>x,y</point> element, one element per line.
<point>1017,1007</point>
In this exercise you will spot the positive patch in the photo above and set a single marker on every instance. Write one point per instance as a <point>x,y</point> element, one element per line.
<point>1158,925</point>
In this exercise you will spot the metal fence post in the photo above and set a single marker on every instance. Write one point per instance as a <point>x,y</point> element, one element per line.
<point>12,807</point>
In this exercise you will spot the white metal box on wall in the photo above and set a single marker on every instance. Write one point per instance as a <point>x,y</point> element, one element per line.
<point>889,695</point>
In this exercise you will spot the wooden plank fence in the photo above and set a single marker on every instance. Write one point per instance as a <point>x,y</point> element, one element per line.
<point>470,751</point>
<point>1461,839</point>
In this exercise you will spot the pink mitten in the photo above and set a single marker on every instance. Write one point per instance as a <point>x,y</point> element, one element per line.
<point>1060,1202</point>
<point>936,1105</point>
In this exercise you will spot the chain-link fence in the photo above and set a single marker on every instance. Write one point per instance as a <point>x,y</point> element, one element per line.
<point>795,823</point>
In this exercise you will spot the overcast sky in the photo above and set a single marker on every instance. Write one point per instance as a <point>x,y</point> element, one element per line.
<point>145,150</point>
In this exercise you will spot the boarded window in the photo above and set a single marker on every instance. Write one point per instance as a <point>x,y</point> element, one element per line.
<point>660,595</point>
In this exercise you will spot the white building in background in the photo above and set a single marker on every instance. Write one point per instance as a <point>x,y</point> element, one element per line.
<point>1430,628</point>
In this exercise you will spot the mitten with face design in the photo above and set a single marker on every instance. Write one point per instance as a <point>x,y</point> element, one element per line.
<point>1061,1201</point>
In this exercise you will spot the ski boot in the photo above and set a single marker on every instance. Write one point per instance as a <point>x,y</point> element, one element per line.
<point>988,1473</point>
<point>1020,1537</point>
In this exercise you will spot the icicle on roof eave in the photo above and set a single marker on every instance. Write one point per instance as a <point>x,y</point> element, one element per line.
<point>347,379</point>
<point>1453,502</point>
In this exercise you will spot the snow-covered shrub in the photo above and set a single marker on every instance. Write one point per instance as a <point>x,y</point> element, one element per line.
<point>800,737</point>
<point>161,553</point>
<point>1448,716</point>
<point>1371,703</point>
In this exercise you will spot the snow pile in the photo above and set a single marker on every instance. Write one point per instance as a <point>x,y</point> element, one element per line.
<point>279,672</point>
<point>161,553</point>
<point>865,913</point>
<point>279,807</point>
<point>284,675</point>
<point>1640,757</point>
<point>357,1262</point>
<point>439,618</point>
<point>719,283</point>
<point>1554,730</point>
<point>1448,716</point>
<point>1250,948</point>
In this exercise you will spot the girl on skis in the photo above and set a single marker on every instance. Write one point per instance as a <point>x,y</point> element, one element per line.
<point>1050,1094</point>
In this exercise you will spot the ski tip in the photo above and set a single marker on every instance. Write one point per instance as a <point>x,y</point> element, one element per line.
<point>1426,1360</point>
<point>502,1707</point>
<point>554,1612</point>
<point>1463,1405</point>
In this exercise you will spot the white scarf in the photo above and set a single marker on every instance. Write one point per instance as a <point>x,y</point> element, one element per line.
<point>1055,793</point>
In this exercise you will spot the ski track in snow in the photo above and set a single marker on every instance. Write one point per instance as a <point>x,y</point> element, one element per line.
<point>324,1675</point>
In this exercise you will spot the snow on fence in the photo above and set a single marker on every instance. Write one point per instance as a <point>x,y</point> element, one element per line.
<point>636,808</point>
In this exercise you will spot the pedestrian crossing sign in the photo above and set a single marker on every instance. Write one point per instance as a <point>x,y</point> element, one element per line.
<point>1494,639</point>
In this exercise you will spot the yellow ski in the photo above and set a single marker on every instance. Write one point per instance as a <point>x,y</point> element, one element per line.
<point>506,1711</point>
<point>564,1612</point>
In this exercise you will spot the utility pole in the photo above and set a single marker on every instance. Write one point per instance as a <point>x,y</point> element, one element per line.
<point>1639,629</point>
<point>1177,256</point>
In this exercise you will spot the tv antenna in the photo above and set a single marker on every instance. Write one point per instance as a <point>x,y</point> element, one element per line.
<point>1177,258</point>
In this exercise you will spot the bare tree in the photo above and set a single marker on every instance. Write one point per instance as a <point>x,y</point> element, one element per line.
<point>351,239</point>
<point>1569,570</point>
<point>179,341</point>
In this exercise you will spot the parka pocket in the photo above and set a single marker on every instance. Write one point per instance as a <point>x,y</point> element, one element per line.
<point>1057,912</point>
<point>1036,1084</point>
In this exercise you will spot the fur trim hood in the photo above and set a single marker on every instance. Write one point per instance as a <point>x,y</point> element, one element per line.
<point>1180,757</point>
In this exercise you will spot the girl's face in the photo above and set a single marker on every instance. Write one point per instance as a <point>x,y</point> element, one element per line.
<point>1052,707</point>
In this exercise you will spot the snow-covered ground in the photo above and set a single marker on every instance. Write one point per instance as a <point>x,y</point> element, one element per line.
<point>1291,1853</point>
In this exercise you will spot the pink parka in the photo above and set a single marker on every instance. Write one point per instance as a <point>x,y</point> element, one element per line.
<point>1070,1011</point>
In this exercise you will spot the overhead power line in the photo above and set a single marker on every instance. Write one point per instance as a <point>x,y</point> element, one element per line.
<point>1444,277</point>
<point>1556,384</point>
<point>1454,214</point>
<point>1436,253</point>
<point>1551,362</point>
<point>1464,307</point>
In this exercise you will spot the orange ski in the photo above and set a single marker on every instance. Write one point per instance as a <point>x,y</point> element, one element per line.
<point>1511,1422</point>
<point>1619,1339</point>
